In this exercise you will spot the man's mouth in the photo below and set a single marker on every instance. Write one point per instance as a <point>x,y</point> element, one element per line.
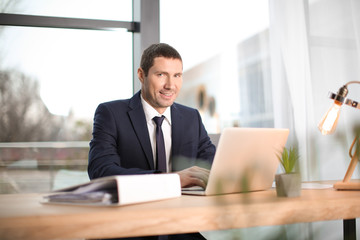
<point>166,94</point>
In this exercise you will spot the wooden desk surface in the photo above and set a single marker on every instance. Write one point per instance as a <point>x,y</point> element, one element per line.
<point>23,217</point>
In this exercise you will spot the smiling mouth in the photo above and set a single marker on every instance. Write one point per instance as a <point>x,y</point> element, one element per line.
<point>170,94</point>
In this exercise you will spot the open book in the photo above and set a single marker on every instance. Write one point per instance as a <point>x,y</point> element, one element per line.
<point>119,190</point>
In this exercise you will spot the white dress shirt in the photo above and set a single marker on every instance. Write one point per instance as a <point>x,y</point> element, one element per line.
<point>150,113</point>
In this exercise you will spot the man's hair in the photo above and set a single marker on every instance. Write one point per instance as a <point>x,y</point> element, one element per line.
<point>157,50</point>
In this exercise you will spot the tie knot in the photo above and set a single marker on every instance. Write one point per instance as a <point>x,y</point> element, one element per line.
<point>159,120</point>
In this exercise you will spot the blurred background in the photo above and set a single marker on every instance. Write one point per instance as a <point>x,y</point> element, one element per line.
<point>256,63</point>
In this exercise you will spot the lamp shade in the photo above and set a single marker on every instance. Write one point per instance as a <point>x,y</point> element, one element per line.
<point>328,123</point>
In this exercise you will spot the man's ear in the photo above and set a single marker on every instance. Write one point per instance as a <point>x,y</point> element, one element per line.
<point>141,75</point>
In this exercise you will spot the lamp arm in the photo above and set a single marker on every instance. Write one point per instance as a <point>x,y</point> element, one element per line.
<point>351,82</point>
<point>352,165</point>
<point>352,146</point>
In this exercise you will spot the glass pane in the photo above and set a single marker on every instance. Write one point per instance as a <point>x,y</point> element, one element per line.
<point>100,9</point>
<point>225,52</point>
<point>76,69</point>
<point>51,81</point>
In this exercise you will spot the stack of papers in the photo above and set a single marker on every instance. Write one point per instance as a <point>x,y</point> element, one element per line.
<point>119,190</point>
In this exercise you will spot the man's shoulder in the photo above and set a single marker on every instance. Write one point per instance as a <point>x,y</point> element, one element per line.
<point>115,103</point>
<point>134,100</point>
<point>184,109</point>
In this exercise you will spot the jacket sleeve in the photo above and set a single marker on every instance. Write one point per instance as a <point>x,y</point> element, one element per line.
<point>206,149</point>
<point>195,146</point>
<point>104,157</point>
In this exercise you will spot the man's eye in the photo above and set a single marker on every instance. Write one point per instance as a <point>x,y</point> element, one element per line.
<point>160,74</point>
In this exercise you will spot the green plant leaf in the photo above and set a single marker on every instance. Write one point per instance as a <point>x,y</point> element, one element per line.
<point>289,159</point>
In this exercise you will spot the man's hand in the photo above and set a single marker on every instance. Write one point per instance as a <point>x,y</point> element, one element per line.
<point>194,176</point>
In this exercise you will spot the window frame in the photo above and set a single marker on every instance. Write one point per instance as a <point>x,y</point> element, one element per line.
<point>145,27</point>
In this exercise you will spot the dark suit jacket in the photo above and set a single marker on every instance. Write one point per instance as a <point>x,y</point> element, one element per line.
<point>121,143</point>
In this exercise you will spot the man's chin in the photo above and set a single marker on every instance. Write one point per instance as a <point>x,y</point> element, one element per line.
<point>166,104</point>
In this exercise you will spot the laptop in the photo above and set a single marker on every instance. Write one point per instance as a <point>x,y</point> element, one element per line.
<point>246,160</point>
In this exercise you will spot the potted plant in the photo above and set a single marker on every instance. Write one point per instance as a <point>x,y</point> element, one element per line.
<point>288,184</point>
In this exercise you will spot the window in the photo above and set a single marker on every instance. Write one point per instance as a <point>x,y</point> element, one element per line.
<point>226,56</point>
<point>52,80</point>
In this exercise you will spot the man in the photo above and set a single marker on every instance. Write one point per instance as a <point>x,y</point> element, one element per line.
<point>124,132</point>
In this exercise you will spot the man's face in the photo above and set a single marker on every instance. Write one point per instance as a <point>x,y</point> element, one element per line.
<point>162,84</point>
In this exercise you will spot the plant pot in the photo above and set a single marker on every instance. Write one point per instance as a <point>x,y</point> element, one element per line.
<point>288,184</point>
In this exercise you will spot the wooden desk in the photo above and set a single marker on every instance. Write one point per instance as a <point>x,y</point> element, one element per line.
<point>23,217</point>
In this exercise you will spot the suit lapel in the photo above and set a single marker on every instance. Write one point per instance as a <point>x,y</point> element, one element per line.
<point>138,120</point>
<point>177,128</point>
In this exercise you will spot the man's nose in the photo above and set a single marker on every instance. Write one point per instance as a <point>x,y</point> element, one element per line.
<point>170,82</point>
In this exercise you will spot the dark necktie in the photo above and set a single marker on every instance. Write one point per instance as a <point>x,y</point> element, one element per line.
<point>160,145</point>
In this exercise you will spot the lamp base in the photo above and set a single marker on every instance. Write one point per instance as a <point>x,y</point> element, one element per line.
<point>347,186</point>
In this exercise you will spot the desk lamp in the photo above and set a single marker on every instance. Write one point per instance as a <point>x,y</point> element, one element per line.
<point>328,124</point>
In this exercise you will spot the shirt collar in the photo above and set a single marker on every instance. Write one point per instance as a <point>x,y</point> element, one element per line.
<point>150,112</point>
